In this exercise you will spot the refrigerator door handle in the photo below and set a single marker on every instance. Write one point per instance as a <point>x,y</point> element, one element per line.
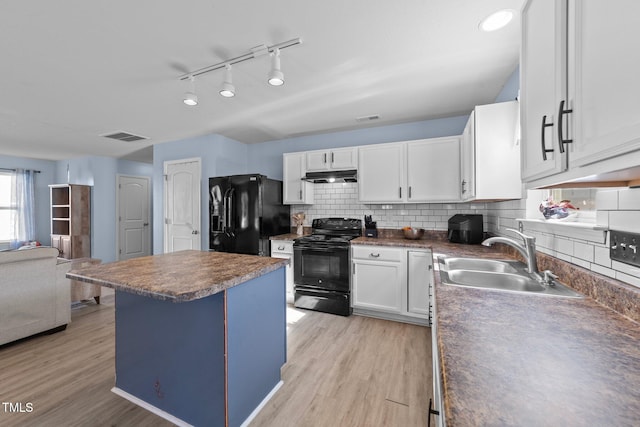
<point>231,228</point>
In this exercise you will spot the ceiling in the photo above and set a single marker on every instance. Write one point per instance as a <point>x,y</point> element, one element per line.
<point>74,70</point>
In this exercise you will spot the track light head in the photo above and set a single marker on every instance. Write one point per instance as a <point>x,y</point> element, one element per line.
<point>228,90</point>
<point>276,78</point>
<point>190,97</point>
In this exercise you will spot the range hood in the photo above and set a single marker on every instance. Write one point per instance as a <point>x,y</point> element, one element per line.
<point>328,177</point>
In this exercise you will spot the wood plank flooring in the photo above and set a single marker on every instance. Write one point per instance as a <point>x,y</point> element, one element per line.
<point>352,371</point>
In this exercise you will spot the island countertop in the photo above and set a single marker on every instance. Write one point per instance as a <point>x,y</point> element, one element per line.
<point>179,276</point>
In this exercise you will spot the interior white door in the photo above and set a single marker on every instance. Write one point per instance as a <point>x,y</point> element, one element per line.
<point>134,236</point>
<point>182,205</point>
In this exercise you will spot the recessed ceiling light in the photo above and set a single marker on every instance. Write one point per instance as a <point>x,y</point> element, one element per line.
<point>496,20</point>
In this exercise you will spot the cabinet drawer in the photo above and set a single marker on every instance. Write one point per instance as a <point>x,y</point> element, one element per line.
<point>377,253</point>
<point>285,246</point>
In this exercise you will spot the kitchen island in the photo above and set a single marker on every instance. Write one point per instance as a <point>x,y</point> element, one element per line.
<point>200,336</point>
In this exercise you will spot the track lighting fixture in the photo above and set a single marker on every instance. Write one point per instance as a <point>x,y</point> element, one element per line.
<point>276,78</point>
<point>228,90</point>
<point>190,97</point>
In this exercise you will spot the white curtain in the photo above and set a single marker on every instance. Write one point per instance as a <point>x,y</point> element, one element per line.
<point>23,217</point>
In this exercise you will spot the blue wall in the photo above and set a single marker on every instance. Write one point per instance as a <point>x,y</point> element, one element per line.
<point>219,156</point>
<point>510,89</point>
<point>101,173</point>
<point>266,158</point>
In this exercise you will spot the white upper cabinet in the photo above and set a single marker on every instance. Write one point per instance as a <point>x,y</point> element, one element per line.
<point>604,83</point>
<point>426,170</point>
<point>490,155</point>
<point>336,159</point>
<point>542,86</point>
<point>381,173</point>
<point>467,160</point>
<point>579,86</point>
<point>295,189</point>
<point>433,170</point>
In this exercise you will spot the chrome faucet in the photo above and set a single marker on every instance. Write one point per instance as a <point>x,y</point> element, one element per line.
<point>527,249</point>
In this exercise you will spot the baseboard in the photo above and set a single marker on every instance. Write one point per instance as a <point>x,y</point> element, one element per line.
<point>262,404</point>
<point>159,412</point>
<point>391,316</point>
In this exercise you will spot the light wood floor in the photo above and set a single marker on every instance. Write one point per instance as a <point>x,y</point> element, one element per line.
<point>352,371</point>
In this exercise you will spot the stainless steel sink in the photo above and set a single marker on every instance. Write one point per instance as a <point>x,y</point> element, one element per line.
<point>502,275</point>
<point>480,264</point>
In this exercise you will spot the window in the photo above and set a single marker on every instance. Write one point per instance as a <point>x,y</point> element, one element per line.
<point>6,229</point>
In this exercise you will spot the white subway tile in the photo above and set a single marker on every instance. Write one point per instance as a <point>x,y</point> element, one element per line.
<point>583,251</point>
<point>602,218</point>
<point>625,221</point>
<point>632,280</point>
<point>607,200</point>
<point>601,256</point>
<point>564,246</point>
<point>603,270</point>
<point>629,199</point>
<point>581,263</point>
<point>625,268</point>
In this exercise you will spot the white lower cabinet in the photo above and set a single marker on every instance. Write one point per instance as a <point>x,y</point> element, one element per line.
<point>391,282</point>
<point>419,277</point>
<point>284,249</point>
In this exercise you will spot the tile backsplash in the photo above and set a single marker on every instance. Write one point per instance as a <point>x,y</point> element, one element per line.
<point>616,209</point>
<point>341,200</point>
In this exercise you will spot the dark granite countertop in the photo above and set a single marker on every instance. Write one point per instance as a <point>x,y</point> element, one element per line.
<point>511,359</point>
<point>288,236</point>
<point>179,276</point>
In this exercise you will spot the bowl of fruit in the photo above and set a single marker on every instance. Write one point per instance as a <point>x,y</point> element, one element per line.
<point>412,233</point>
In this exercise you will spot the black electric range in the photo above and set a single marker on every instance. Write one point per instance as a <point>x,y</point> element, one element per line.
<point>322,266</point>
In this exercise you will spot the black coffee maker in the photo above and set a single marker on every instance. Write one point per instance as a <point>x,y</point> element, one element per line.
<point>370,229</point>
<point>466,228</point>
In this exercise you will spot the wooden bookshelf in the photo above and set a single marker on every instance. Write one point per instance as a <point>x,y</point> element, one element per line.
<point>71,220</point>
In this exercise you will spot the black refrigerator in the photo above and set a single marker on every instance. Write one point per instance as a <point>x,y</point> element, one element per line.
<point>244,211</point>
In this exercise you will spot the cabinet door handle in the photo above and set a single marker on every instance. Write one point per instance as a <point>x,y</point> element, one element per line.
<point>409,191</point>
<point>400,188</point>
<point>332,158</point>
<point>281,248</point>
<point>325,157</point>
<point>561,112</point>
<point>372,255</point>
<point>300,194</point>
<point>431,411</point>
<point>545,150</point>
<point>463,183</point>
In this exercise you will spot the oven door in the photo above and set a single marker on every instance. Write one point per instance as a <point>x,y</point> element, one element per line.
<point>322,267</point>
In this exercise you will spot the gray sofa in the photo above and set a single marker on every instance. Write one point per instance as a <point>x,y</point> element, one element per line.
<point>34,293</point>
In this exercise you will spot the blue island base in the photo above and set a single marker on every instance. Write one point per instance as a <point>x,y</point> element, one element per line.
<point>170,357</point>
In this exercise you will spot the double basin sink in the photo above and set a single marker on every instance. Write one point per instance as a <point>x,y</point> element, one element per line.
<point>503,275</point>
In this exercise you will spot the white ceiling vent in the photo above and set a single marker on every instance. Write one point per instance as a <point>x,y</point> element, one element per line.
<point>124,136</point>
<point>367,118</point>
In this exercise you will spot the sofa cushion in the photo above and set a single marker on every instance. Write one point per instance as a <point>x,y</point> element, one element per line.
<point>29,254</point>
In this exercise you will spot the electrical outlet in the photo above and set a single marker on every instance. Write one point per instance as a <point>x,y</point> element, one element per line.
<point>623,247</point>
